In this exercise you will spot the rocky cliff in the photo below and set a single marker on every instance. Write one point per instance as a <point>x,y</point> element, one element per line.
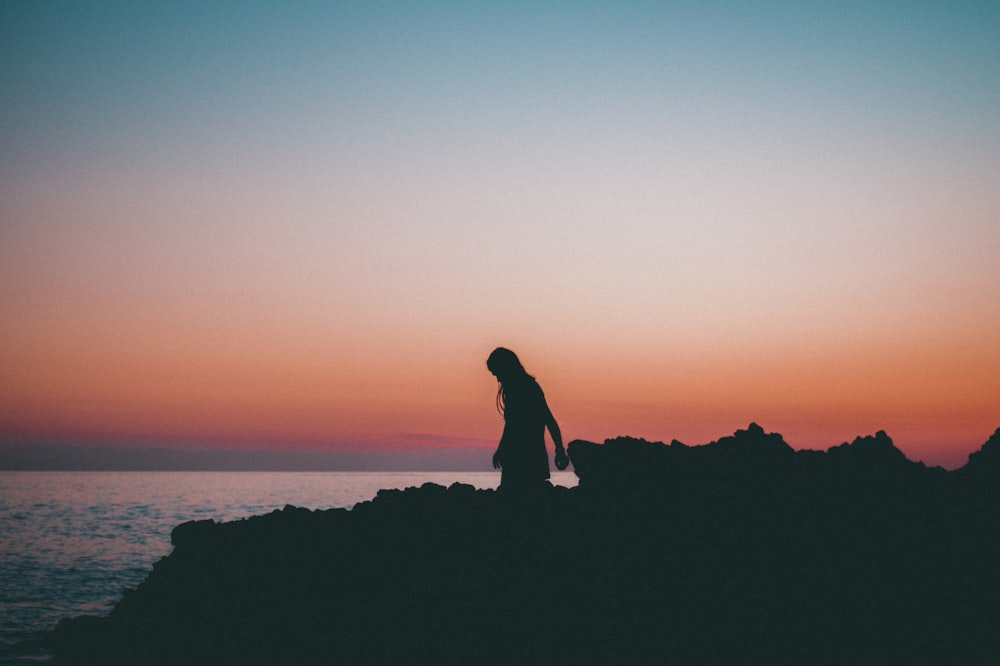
<point>739,551</point>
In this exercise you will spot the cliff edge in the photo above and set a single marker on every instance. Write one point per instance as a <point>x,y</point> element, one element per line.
<point>738,551</point>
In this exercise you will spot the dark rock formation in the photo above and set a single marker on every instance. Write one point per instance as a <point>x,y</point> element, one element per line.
<point>985,463</point>
<point>739,551</point>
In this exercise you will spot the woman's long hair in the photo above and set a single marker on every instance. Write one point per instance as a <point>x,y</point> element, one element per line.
<point>507,367</point>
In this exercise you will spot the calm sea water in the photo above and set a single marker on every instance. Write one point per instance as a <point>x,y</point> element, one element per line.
<point>70,542</point>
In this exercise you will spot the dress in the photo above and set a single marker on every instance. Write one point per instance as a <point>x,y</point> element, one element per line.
<point>523,459</point>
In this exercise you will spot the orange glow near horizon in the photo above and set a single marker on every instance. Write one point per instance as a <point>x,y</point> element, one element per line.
<point>222,389</point>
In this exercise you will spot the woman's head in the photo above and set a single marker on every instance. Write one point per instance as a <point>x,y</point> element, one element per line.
<point>504,364</point>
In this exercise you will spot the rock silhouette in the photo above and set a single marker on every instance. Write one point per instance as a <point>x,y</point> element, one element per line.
<point>738,551</point>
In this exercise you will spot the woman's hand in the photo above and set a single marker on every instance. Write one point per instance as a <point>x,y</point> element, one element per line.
<point>496,460</point>
<point>562,462</point>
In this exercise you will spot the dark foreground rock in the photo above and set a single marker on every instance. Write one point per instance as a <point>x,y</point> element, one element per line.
<point>741,551</point>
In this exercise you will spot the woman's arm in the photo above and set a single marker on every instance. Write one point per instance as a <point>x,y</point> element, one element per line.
<point>498,456</point>
<point>562,462</point>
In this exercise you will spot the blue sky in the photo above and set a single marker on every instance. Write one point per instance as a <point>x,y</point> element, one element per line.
<point>664,188</point>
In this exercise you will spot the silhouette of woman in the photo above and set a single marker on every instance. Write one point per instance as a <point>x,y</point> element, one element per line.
<point>521,453</point>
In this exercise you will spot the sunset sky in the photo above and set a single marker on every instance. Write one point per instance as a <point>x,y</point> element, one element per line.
<point>305,225</point>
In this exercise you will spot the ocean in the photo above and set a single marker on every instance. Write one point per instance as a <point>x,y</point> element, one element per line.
<point>71,542</point>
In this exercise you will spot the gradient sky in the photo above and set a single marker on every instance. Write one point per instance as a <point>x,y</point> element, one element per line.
<point>306,224</point>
